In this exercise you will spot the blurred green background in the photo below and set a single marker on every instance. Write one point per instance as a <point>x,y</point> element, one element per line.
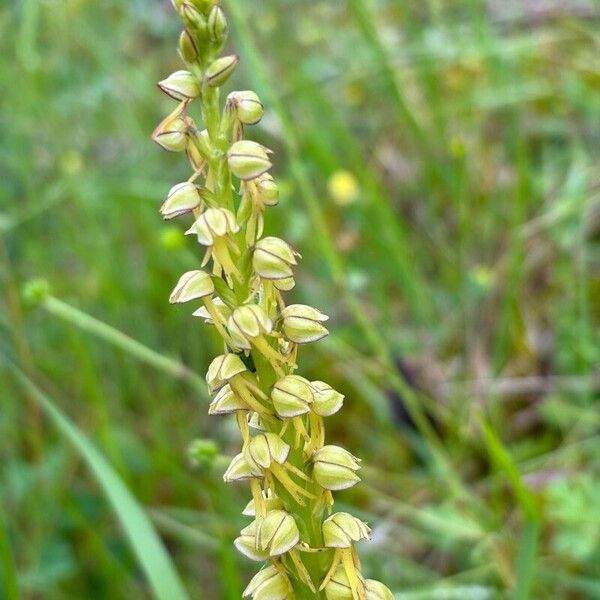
<point>438,162</point>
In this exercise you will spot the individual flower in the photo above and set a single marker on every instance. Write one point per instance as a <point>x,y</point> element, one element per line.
<point>327,401</point>
<point>182,198</point>
<point>181,85</point>
<point>273,258</point>
<point>277,532</point>
<point>291,396</point>
<point>302,323</point>
<point>341,530</point>
<point>220,70</point>
<point>269,584</point>
<point>246,106</point>
<point>192,285</point>
<point>335,468</point>
<point>248,160</point>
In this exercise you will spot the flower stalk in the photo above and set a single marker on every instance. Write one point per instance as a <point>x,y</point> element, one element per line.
<point>309,550</point>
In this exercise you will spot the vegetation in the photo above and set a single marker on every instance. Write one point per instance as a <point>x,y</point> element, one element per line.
<point>435,163</point>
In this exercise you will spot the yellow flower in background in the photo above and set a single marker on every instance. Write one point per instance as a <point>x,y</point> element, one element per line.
<point>343,188</point>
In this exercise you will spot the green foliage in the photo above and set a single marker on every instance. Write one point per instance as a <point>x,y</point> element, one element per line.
<point>465,247</point>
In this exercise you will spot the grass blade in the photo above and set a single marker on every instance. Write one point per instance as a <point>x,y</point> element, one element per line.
<point>144,541</point>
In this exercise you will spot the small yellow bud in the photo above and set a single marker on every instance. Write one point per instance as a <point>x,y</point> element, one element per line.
<point>273,258</point>
<point>222,369</point>
<point>239,470</point>
<point>221,69</point>
<point>246,106</point>
<point>265,449</point>
<point>338,587</point>
<point>302,323</point>
<point>182,198</point>
<point>226,402</point>
<point>342,529</point>
<point>181,85</point>
<point>246,323</point>
<point>278,533</point>
<point>327,400</point>
<point>191,286</point>
<point>246,544</point>
<point>248,160</point>
<point>217,26</point>
<point>291,396</point>
<point>188,50</point>
<point>269,584</point>
<point>334,468</point>
<point>377,591</point>
<point>213,223</point>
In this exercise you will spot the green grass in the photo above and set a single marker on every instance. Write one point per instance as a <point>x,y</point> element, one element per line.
<point>471,256</point>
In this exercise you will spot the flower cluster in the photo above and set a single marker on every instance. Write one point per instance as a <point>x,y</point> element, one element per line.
<point>309,549</point>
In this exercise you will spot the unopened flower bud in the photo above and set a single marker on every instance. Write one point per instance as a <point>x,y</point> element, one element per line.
<point>193,17</point>
<point>213,223</point>
<point>335,468</point>
<point>182,198</point>
<point>246,105</point>
<point>248,160</point>
<point>188,50</point>
<point>222,369</point>
<point>273,258</point>
<point>226,402</point>
<point>338,587</point>
<point>291,396</point>
<point>377,591</point>
<point>268,191</point>
<point>191,286</point>
<point>181,85</point>
<point>271,502</point>
<point>302,323</point>
<point>269,584</point>
<point>248,322</point>
<point>239,470</point>
<point>171,133</point>
<point>265,449</point>
<point>327,400</point>
<point>278,532</point>
<point>221,69</point>
<point>341,530</point>
<point>217,26</point>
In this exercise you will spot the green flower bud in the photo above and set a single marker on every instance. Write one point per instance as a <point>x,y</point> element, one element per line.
<point>338,587</point>
<point>222,369</point>
<point>171,133</point>
<point>217,26</point>
<point>271,502</point>
<point>226,402</point>
<point>191,286</point>
<point>291,396</point>
<point>327,400</point>
<point>246,106</point>
<point>221,69</point>
<point>246,323</point>
<point>193,17</point>
<point>334,468</point>
<point>182,198</point>
<point>342,529</point>
<point>278,533</point>
<point>377,591</point>
<point>248,160</point>
<point>213,223</point>
<point>268,192</point>
<point>239,470</point>
<point>246,544</point>
<point>273,258</point>
<point>269,584</point>
<point>302,323</point>
<point>265,449</point>
<point>188,50</point>
<point>181,85</point>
